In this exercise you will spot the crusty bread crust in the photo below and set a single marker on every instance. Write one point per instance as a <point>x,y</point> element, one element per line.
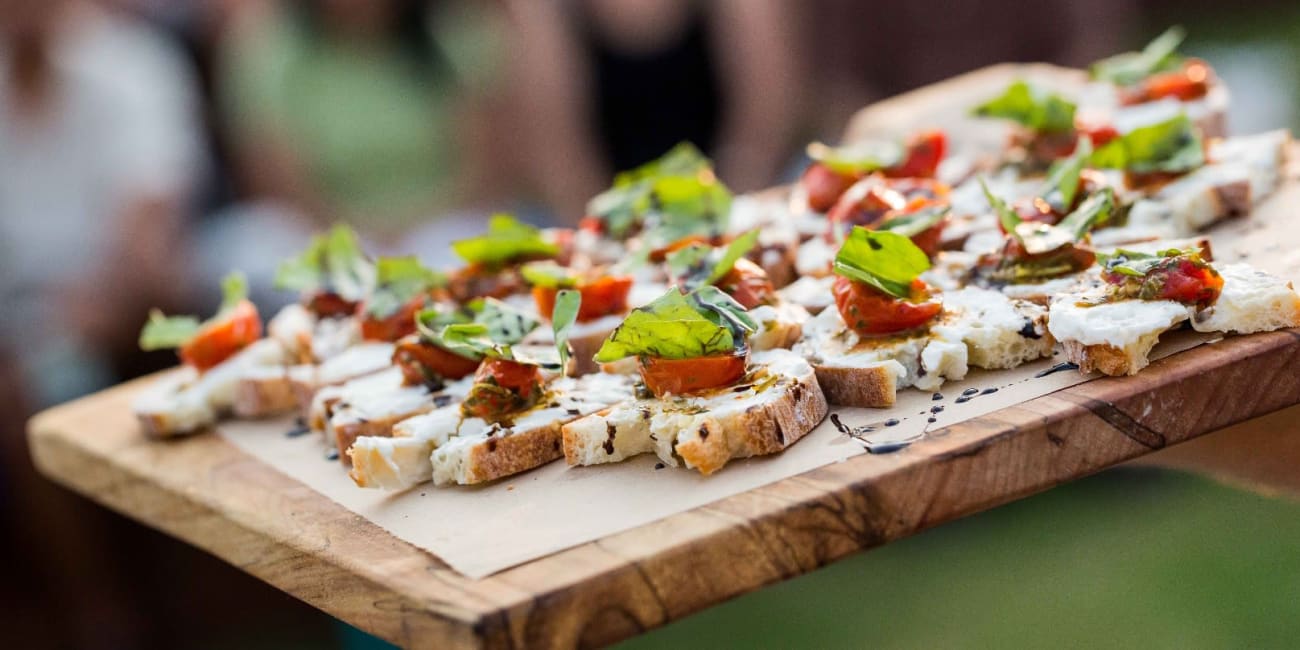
<point>499,456</point>
<point>159,427</point>
<point>1106,359</point>
<point>872,387</point>
<point>347,433</point>
<point>759,430</point>
<point>264,396</point>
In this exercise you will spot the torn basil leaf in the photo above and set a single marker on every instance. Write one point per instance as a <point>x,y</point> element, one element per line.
<point>549,275</point>
<point>1170,146</point>
<point>1032,107</point>
<point>885,260</point>
<point>675,326</point>
<point>1006,216</point>
<point>677,194</point>
<point>915,223</point>
<point>495,328</point>
<point>1040,238</point>
<point>1128,68</point>
<point>332,263</point>
<point>565,314</point>
<point>858,157</point>
<point>507,240</point>
<point>1137,264</point>
<point>699,265</point>
<point>1062,182</point>
<point>163,332</point>
<point>400,280</point>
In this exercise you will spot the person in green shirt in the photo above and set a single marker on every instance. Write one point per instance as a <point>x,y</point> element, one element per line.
<point>372,112</point>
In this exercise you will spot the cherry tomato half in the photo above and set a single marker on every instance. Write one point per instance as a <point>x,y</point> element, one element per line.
<point>600,297</point>
<point>872,312</point>
<point>748,283</point>
<point>925,151</point>
<point>423,362</point>
<point>217,341</point>
<point>685,376</point>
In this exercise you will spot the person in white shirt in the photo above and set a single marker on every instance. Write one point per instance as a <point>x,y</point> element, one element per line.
<point>99,149</point>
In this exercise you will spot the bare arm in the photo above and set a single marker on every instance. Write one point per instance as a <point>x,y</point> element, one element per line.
<point>559,150</point>
<point>757,45</point>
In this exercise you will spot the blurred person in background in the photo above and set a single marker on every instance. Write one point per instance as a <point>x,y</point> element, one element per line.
<point>605,85</point>
<point>376,113</point>
<point>867,50</point>
<point>98,156</point>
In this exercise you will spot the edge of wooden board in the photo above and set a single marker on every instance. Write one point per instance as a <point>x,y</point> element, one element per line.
<point>263,522</point>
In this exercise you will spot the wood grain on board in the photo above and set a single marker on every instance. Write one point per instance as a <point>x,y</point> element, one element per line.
<point>207,492</point>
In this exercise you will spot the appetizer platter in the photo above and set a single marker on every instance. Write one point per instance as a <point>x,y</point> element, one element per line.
<point>1058,228</point>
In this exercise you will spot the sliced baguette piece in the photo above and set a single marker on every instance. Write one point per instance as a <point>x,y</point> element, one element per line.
<point>374,412</point>
<point>360,360</point>
<point>1114,338</point>
<point>775,405</point>
<point>1251,301</point>
<point>811,293</point>
<point>446,447</point>
<point>188,402</point>
<point>779,325</point>
<point>979,327</point>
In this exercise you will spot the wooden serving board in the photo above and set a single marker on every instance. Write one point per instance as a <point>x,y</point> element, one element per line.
<point>209,493</point>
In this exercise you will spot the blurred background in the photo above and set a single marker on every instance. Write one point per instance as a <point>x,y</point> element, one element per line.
<point>148,146</point>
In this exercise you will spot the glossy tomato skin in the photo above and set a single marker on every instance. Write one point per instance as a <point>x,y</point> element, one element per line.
<point>1191,82</point>
<point>502,387</point>
<point>748,284</point>
<point>872,312</point>
<point>685,376</point>
<point>393,326</point>
<point>1180,279</point>
<point>865,203</point>
<point>931,239</point>
<point>477,281</point>
<point>423,363</point>
<point>925,151</point>
<point>220,340</point>
<point>327,304</point>
<point>604,296</point>
<point>825,185</point>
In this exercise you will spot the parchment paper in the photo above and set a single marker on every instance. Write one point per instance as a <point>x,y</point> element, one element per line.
<point>485,529</point>
<point>482,530</point>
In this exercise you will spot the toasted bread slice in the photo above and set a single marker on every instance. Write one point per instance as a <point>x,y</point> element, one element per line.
<point>811,293</point>
<point>1116,338</point>
<point>446,447</point>
<point>779,325</point>
<point>360,360</point>
<point>775,405</point>
<point>979,327</point>
<point>1251,301</point>
<point>374,411</point>
<point>188,401</point>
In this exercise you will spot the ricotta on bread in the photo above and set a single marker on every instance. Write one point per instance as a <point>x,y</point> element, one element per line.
<point>772,407</point>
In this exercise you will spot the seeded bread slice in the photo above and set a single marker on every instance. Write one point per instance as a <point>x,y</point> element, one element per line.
<point>775,405</point>
<point>446,447</point>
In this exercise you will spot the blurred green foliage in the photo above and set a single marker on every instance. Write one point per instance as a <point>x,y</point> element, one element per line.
<point>1130,558</point>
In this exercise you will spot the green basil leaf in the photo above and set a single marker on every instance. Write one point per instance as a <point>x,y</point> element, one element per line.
<point>678,193</point>
<point>1063,178</point>
<point>164,332</point>
<point>712,300</point>
<point>885,260</point>
<point>507,239</point>
<point>1032,107</point>
<point>1131,67</point>
<point>332,262</point>
<point>1138,264</point>
<point>698,265</point>
<point>430,320</point>
<point>495,328</point>
<point>1170,146</point>
<point>400,280</point>
<point>914,223</point>
<point>859,157</point>
<point>548,275</point>
<point>671,327</point>
<point>565,314</point>
<point>1008,217</point>
<point>1094,211</point>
